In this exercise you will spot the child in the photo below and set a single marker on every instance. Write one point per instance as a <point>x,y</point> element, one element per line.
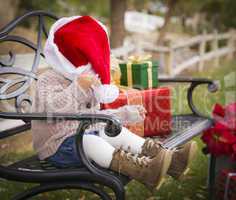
<point>78,51</point>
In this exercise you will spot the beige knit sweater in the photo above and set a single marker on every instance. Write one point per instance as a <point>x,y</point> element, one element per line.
<point>54,93</point>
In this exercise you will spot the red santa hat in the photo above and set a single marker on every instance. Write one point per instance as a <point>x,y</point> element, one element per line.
<point>80,44</point>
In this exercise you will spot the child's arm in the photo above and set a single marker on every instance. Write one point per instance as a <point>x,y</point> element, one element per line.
<point>55,97</point>
<point>126,114</point>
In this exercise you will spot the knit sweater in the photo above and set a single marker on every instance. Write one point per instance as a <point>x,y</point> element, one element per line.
<point>54,93</point>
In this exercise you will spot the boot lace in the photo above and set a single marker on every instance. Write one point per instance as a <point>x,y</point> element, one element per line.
<point>141,161</point>
<point>151,143</point>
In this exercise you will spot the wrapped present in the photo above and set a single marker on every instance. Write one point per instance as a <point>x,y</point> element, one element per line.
<point>158,118</point>
<point>157,104</point>
<point>128,97</point>
<point>139,73</point>
<point>115,70</point>
<point>226,185</point>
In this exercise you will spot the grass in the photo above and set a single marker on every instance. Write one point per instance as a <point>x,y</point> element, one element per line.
<point>192,187</point>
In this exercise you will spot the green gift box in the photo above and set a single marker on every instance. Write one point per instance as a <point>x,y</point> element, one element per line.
<point>141,75</point>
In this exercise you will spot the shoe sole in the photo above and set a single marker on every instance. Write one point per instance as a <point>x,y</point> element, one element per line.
<point>192,153</point>
<point>163,171</point>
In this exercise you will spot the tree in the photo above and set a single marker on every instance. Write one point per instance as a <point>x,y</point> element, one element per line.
<point>117,12</point>
<point>221,13</point>
<point>171,5</point>
<point>185,9</point>
<point>8,10</point>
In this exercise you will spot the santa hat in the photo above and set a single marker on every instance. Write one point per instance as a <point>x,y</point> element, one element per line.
<point>80,44</point>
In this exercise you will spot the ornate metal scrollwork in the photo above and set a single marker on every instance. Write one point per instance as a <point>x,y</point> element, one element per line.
<point>14,81</point>
<point>23,102</point>
<point>13,87</point>
<point>10,62</point>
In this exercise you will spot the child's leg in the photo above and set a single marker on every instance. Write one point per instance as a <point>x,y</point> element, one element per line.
<point>125,140</point>
<point>148,171</point>
<point>98,150</point>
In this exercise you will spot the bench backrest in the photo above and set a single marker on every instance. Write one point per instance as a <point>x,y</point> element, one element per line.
<point>15,81</point>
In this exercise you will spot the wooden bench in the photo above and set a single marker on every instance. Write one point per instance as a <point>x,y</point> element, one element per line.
<point>90,177</point>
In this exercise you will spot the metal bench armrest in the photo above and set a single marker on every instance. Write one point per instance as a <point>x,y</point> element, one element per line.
<point>194,82</point>
<point>113,126</point>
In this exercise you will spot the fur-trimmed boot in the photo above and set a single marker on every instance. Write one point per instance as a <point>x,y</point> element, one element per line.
<point>182,156</point>
<point>148,171</point>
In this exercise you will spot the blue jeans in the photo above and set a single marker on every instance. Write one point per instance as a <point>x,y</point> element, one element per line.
<point>67,155</point>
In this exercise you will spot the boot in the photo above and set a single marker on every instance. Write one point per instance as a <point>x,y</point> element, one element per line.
<point>148,171</point>
<point>181,156</point>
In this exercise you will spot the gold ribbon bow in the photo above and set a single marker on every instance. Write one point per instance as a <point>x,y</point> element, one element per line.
<point>138,59</point>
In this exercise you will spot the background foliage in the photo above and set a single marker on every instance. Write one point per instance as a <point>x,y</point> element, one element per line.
<point>219,13</point>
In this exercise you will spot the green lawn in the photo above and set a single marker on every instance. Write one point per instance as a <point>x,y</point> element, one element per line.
<point>192,186</point>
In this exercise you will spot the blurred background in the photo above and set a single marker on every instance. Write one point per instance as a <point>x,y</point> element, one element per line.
<point>176,16</point>
<point>137,26</point>
<point>193,38</point>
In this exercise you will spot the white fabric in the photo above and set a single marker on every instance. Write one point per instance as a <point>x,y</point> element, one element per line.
<point>106,93</point>
<point>100,148</point>
<point>128,114</point>
<point>126,140</point>
<point>61,64</point>
<point>132,113</point>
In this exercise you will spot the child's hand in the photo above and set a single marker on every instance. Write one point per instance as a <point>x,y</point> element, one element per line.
<point>134,113</point>
<point>142,111</point>
<point>87,80</point>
